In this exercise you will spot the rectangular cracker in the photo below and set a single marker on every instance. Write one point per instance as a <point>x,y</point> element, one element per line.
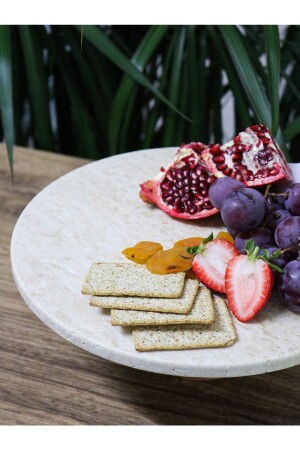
<point>118,279</point>
<point>221,333</point>
<point>202,311</point>
<point>180,305</point>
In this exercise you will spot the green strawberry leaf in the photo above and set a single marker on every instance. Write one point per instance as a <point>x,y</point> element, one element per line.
<point>249,246</point>
<point>199,249</point>
<point>266,254</point>
<point>208,239</point>
<point>274,266</point>
<point>276,254</point>
<point>192,250</point>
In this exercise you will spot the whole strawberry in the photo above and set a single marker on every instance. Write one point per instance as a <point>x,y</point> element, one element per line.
<point>248,282</point>
<point>210,261</point>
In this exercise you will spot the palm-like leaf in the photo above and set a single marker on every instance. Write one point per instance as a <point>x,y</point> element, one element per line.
<point>6,94</point>
<point>98,90</point>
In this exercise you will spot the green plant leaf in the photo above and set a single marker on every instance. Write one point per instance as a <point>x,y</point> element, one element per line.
<point>250,246</point>
<point>96,36</point>
<point>94,97</point>
<point>246,73</point>
<point>292,129</point>
<point>6,93</point>
<point>234,81</point>
<point>124,99</point>
<point>208,239</point>
<point>86,143</point>
<point>174,86</point>
<point>273,61</point>
<point>249,79</point>
<point>154,113</point>
<point>37,85</point>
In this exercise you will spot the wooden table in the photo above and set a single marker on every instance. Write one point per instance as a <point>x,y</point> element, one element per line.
<point>46,380</point>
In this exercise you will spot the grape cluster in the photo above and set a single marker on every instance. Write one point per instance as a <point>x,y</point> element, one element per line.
<point>271,220</point>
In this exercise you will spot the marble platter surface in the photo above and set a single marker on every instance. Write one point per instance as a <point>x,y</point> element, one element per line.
<point>90,215</point>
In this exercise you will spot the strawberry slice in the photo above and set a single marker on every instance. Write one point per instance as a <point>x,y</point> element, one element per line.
<point>248,283</point>
<point>210,262</point>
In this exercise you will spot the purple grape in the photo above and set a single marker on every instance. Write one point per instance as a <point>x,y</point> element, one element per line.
<point>274,207</point>
<point>292,202</point>
<point>289,285</point>
<point>287,233</point>
<point>221,188</point>
<point>243,210</point>
<point>261,236</point>
<point>232,232</point>
<point>273,219</point>
<point>281,261</point>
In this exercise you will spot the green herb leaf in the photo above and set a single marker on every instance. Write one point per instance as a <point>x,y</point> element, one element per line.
<point>275,254</point>
<point>266,254</point>
<point>274,266</point>
<point>192,250</point>
<point>208,239</point>
<point>249,246</point>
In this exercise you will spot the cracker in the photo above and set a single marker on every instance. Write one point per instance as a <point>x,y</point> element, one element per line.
<point>180,305</point>
<point>118,279</point>
<point>221,333</point>
<point>202,311</point>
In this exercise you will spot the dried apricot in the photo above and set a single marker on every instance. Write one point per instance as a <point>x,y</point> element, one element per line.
<point>189,242</point>
<point>226,236</point>
<point>170,261</point>
<point>142,251</point>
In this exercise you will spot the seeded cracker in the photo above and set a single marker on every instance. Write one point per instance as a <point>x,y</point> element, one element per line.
<point>202,312</point>
<point>180,305</point>
<point>220,333</point>
<point>119,279</point>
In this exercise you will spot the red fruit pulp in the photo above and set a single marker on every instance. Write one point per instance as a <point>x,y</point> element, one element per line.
<point>181,189</point>
<point>253,157</point>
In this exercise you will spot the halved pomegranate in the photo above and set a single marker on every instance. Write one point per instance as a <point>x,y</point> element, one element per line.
<point>181,188</point>
<point>253,157</point>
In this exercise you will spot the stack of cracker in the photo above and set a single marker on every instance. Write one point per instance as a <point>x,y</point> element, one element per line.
<point>165,312</point>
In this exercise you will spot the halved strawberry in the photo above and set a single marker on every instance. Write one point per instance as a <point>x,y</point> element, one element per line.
<point>248,283</point>
<point>210,262</point>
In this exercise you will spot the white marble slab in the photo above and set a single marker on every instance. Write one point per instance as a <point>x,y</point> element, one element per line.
<point>91,214</point>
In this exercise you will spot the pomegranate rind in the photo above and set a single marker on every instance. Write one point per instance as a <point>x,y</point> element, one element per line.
<point>151,190</point>
<point>253,157</point>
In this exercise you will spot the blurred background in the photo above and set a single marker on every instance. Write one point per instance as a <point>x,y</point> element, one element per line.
<point>95,91</point>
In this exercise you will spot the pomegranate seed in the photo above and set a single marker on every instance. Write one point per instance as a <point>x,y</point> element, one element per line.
<point>237,157</point>
<point>215,149</point>
<point>166,186</point>
<point>227,172</point>
<point>222,167</point>
<point>266,141</point>
<point>210,179</point>
<point>219,159</point>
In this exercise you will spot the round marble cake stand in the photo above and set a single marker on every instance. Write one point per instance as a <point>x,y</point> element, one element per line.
<point>91,214</point>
